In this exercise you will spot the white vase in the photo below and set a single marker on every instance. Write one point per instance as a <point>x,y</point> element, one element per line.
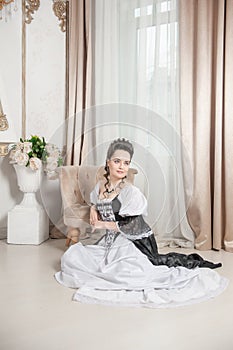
<point>29,183</point>
<point>28,222</point>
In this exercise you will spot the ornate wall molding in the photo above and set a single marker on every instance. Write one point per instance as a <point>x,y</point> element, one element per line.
<point>4,148</point>
<point>60,11</point>
<point>4,3</point>
<point>3,121</point>
<point>30,7</point>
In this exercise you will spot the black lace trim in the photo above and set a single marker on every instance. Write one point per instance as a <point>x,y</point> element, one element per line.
<point>133,225</point>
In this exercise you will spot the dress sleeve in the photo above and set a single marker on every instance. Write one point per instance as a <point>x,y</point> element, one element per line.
<point>133,202</point>
<point>130,219</point>
<point>94,194</point>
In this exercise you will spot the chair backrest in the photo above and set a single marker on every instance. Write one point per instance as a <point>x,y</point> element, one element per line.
<point>76,184</point>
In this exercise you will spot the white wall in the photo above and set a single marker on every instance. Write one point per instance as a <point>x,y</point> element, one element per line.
<point>45,95</point>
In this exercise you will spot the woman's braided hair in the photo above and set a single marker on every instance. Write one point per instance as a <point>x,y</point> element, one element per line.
<point>118,144</point>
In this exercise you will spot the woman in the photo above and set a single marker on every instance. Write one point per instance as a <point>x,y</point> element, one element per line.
<point>124,266</point>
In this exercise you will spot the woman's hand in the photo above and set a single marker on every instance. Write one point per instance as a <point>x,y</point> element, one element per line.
<point>93,215</point>
<point>104,225</point>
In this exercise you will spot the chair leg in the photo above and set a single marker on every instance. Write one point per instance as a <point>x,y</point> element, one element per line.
<point>72,236</point>
<point>68,241</point>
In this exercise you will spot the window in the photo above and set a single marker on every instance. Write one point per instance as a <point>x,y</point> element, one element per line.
<point>157,40</point>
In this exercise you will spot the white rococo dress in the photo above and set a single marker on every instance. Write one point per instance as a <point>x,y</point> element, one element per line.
<point>114,271</point>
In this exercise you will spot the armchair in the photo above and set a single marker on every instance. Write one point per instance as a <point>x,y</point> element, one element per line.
<point>76,184</point>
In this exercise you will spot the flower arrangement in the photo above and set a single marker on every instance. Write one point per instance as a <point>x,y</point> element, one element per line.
<point>34,153</point>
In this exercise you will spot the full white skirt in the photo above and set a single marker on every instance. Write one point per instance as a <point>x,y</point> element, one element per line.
<point>129,278</point>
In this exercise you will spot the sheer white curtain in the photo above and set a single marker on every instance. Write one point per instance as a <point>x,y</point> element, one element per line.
<point>137,97</point>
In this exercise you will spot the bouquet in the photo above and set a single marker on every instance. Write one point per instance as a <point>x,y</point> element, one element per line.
<point>35,153</point>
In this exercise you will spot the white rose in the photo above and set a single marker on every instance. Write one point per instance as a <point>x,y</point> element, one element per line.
<point>12,156</point>
<point>54,154</point>
<point>21,158</point>
<point>51,163</point>
<point>35,163</point>
<point>18,146</point>
<point>27,147</point>
<point>50,147</point>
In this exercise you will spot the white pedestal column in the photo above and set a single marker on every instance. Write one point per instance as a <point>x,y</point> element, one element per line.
<point>28,222</point>
<point>27,225</point>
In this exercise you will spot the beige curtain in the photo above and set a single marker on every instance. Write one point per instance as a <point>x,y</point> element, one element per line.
<point>206,70</point>
<point>81,96</point>
<point>80,41</point>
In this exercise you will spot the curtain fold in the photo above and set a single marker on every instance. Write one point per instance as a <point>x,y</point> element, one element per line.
<point>81,92</point>
<point>206,71</point>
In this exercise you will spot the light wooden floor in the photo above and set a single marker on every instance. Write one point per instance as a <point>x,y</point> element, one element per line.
<point>37,313</point>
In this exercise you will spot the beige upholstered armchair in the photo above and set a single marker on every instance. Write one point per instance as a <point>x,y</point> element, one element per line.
<point>76,184</point>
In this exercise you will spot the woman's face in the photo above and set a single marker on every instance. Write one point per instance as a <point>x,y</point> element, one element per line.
<point>119,165</point>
